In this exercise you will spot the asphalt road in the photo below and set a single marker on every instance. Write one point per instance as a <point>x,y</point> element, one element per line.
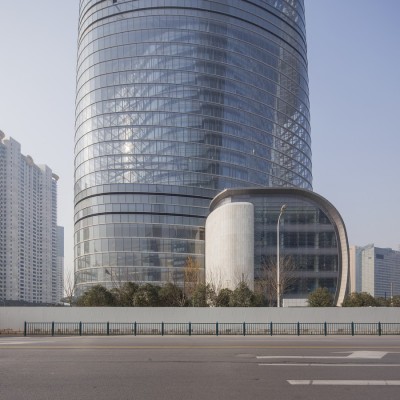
<point>193,368</point>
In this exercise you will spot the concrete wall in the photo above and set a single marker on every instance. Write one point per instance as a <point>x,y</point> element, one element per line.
<point>14,317</point>
<point>230,246</point>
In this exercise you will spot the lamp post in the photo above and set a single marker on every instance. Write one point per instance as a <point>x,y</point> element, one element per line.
<point>278,284</point>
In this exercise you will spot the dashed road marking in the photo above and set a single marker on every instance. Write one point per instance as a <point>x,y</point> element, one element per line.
<point>344,382</point>
<point>326,365</point>
<point>353,355</point>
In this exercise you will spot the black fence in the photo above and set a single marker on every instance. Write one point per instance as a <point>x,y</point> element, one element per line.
<point>216,329</point>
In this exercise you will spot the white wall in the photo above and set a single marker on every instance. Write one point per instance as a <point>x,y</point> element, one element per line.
<point>230,246</point>
<point>14,317</point>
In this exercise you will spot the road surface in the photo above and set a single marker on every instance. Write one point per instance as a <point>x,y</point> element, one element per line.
<point>191,368</point>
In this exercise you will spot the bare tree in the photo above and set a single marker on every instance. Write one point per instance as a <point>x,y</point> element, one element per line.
<point>117,282</point>
<point>191,277</point>
<point>240,277</point>
<point>69,287</point>
<point>214,280</point>
<point>267,280</point>
<point>120,288</point>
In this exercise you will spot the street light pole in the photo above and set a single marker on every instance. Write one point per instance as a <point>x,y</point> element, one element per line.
<point>278,284</point>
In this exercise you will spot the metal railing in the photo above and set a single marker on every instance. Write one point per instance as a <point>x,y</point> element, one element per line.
<point>195,328</point>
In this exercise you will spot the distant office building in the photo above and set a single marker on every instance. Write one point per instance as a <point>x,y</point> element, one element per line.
<point>242,239</point>
<point>375,270</point>
<point>28,228</point>
<point>176,101</point>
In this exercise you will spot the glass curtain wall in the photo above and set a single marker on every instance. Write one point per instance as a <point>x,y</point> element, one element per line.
<point>308,240</point>
<point>312,240</point>
<point>177,100</point>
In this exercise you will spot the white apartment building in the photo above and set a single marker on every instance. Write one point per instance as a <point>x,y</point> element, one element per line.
<point>375,270</point>
<point>28,228</point>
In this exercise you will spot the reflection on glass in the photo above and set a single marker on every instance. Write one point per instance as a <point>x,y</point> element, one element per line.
<point>173,105</point>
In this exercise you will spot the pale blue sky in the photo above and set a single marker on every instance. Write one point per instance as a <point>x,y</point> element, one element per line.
<point>354,67</point>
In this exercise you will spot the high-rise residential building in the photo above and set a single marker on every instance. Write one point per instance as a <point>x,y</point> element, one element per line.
<point>375,270</point>
<point>28,228</point>
<point>176,101</point>
<point>58,279</point>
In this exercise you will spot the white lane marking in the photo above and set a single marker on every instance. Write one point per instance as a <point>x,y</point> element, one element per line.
<point>302,357</point>
<point>326,365</point>
<point>344,382</point>
<point>367,354</point>
<point>12,342</point>
<point>353,355</point>
<point>30,339</point>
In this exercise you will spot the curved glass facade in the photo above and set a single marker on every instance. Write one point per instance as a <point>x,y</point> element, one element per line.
<point>312,238</point>
<point>177,100</point>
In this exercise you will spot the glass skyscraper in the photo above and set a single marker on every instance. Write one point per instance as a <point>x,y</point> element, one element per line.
<point>176,101</point>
